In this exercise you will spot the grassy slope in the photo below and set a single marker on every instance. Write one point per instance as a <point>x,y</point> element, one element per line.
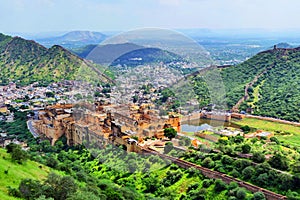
<point>17,172</point>
<point>27,61</point>
<point>284,132</point>
<point>256,95</point>
<point>235,78</point>
<point>276,93</point>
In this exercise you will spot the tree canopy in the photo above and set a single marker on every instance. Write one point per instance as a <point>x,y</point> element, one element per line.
<point>170,133</point>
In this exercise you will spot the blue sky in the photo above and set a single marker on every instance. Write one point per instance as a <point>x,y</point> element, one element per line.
<point>99,15</point>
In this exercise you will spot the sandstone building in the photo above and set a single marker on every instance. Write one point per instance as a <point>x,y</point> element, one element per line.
<point>103,122</point>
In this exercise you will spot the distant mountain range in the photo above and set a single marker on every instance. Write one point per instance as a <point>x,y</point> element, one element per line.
<point>126,54</point>
<point>26,61</point>
<point>73,39</point>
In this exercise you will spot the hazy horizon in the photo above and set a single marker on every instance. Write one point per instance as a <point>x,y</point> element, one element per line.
<point>42,16</point>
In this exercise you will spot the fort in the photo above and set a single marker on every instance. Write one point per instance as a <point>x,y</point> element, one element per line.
<point>213,115</point>
<point>102,122</point>
<point>222,116</point>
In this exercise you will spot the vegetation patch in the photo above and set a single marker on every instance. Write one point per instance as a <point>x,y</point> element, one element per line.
<point>11,173</point>
<point>284,132</point>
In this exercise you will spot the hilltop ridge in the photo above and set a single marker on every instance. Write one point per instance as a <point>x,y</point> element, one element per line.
<point>26,61</point>
<point>73,39</point>
<point>275,93</point>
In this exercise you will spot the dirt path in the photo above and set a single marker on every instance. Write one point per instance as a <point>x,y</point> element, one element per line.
<point>235,108</point>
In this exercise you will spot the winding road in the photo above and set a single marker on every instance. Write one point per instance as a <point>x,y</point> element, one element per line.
<point>32,130</point>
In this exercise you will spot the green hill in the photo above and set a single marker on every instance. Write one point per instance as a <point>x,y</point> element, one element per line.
<point>26,61</point>
<point>105,54</point>
<point>126,54</point>
<point>146,56</point>
<point>17,172</point>
<point>275,93</point>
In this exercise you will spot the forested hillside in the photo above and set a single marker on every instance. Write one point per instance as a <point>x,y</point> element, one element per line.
<point>275,93</point>
<point>26,61</point>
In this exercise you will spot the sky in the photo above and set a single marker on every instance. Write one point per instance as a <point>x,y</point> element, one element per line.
<point>35,16</point>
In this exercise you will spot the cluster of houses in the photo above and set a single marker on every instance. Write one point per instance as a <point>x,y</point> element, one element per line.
<point>58,111</point>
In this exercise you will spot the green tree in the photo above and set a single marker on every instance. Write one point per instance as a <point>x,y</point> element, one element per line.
<point>227,160</point>
<point>246,148</point>
<point>235,173</point>
<point>241,164</point>
<point>207,182</point>
<point>263,180</point>
<point>258,157</point>
<point>246,129</point>
<point>278,162</point>
<point>30,189</point>
<point>208,162</point>
<point>18,155</point>
<point>46,146</point>
<point>151,183</point>
<point>258,196</point>
<point>170,133</point>
<point>232,185</point>
<point>296,181</point>
<point>285,181</point>
<point>166,93</point>
<point>220,185</point>
<point>10,147</point>
<point>262,168</point>
<point>241,193</point>
<point>296,167</point>
<point>51,162</point>
<point>60,187</point>
<point>59,145</point>
<point>198,194</point>
<point>254,140</point>
<point>292,195</point>
<point>238,139</point>
<point>168,147</point>
<point>248,172</point>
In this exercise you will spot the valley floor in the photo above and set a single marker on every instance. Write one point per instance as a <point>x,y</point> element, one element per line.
<point>285,132</point>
